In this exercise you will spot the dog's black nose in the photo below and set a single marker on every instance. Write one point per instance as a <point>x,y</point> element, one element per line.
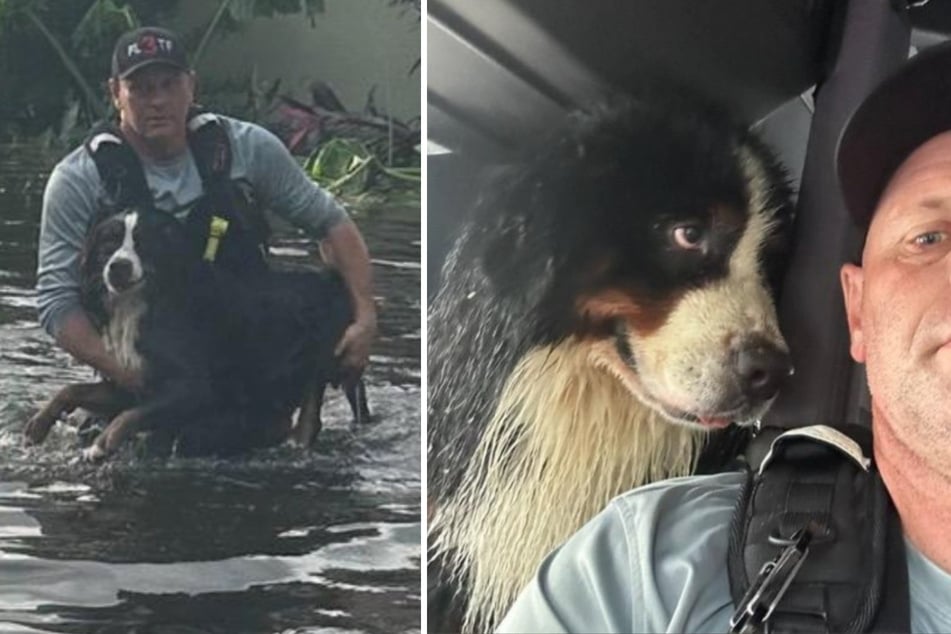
<point>120,273</point>
<point>762,368</point>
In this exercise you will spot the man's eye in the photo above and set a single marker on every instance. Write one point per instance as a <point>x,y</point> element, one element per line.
<point>929,238</point>
<point>139,88</point>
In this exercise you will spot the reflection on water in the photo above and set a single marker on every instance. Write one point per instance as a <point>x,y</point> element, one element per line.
<point>284,540</point>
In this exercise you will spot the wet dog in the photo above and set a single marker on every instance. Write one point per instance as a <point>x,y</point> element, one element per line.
<point>607,306</point>
<point>225,361</point>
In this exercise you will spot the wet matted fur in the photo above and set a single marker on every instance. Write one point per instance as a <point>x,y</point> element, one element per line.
<point>597,319</point>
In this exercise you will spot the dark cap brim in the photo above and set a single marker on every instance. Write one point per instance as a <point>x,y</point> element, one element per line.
<point>904,111</point>
<point>149,62</point>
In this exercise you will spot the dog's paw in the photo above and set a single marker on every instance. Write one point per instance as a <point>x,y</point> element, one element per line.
<point>94,453</point>
<point>38,428</point>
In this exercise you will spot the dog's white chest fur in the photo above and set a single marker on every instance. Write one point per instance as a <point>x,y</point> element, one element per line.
<point>122,332</point>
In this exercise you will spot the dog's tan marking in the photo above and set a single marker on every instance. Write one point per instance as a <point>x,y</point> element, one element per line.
<point>644,317</point>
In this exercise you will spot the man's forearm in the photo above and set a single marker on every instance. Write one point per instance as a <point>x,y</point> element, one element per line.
<point>76,335</point>
<point>349,255</point>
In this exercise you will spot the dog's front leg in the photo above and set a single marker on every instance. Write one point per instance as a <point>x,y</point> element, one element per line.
<point>101,398</point>
<point>121,427</point>
<point>178,402</point>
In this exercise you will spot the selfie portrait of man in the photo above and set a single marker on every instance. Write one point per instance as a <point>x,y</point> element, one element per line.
<point>687,319</point>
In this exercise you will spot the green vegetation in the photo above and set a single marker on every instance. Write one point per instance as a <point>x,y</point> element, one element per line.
<point>348,169</point>
<point>70,42</point>
<point>55,55</point>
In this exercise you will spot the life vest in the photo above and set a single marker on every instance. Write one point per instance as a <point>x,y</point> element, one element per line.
<point>225,226</point>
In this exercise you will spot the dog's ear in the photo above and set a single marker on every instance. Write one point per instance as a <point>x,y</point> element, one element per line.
<point>778,201</point>
<point>516,242</point>
<point>92,285</point>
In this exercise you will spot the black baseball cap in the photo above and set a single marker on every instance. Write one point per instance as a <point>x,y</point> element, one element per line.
<point>908,108</point>
<point>145,46</point>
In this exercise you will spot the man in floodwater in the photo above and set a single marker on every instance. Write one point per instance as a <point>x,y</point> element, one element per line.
<point>153,87</point>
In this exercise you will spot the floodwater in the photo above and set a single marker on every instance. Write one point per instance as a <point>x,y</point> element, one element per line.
<point>286,540</point>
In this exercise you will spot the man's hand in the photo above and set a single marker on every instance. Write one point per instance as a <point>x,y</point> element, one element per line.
<point>345,250</point>
<point>353,349</point>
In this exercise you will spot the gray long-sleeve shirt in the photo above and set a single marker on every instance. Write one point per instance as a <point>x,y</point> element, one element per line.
<point>74,194</point>
<point>655,561</point>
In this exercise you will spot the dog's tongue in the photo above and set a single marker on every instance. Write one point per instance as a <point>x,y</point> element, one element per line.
<point>715,423</point>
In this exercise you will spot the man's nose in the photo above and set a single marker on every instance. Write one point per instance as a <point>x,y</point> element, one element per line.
<point>154,94</point>
<point>157,97</point>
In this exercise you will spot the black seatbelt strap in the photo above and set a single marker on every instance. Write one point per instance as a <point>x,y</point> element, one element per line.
<point>815,538</point>
<point>894,609</point>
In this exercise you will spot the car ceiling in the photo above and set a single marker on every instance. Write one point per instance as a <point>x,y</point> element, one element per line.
<point>500,70</point>
<point>503,69</point>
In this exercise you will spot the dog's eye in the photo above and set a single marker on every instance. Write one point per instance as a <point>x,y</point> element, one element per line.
<point>688,236</point>
<point>111,236</point>
<point>111,241</point>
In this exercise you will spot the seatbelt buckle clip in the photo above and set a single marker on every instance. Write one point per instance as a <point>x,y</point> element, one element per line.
<point>770,586</point>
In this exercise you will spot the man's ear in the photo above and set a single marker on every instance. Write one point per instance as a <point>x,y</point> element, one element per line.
<point>193,84</point>
<point>853,280</point>
<point>114,92</point>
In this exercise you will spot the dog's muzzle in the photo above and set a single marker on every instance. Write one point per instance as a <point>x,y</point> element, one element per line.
<point>761,368</point>
<point>119,274</point>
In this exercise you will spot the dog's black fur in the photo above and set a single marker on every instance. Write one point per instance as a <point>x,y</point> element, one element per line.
<point>585,212</point>
<point>515,273</point>
<point>225,360</point>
